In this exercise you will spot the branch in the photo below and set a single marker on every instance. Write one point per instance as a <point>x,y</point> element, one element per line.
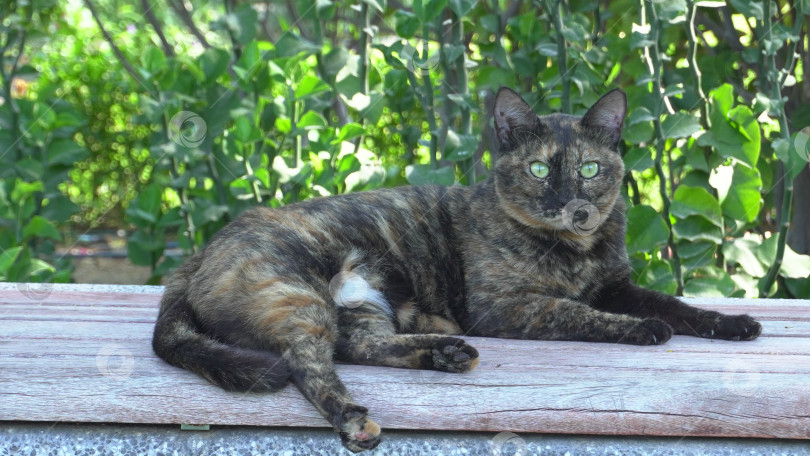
<point>150,16</point>
<point>120,55</point>
<point>653,56</point>
<point>185,16</point>
<point>772,80</point>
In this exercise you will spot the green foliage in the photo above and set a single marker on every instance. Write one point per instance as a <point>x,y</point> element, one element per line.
<point>271,103</point>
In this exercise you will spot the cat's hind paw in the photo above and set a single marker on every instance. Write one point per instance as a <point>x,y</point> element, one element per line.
<point>650,331</point>
<point>357,432</point>
<point>454,355</point>
<point>733,327</point>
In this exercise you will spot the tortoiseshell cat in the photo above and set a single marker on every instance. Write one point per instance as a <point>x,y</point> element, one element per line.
<point>385,277</point>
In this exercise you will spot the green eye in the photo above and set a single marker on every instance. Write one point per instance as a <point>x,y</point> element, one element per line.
<point>539,169</point>
<point>589,169</point>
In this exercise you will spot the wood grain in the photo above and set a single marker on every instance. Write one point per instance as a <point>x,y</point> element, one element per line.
<point>86,357</point>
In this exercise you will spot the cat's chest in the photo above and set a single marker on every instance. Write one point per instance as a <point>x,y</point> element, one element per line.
<point>551,267</point>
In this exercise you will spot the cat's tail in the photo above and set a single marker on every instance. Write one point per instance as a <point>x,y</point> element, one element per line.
<point>180,342</point>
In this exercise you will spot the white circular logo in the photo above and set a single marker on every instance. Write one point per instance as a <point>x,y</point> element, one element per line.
<point>349,289</point>
<point>509,444</point>
<point>801,142</point>
<point>581,217</point>
<point>741,377</point>
<point>415,63</point>
<point>187,129</point>
<point>35,291</point>
<point>115,361</point>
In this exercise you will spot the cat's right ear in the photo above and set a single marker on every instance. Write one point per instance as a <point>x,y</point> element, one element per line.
<point>512,116</point>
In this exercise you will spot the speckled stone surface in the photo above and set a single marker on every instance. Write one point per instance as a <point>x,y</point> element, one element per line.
<point>42,439</point>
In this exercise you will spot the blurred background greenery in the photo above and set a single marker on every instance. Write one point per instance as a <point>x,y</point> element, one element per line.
<point>168,119</point>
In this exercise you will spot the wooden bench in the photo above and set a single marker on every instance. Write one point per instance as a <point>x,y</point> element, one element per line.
<point>82,354</point>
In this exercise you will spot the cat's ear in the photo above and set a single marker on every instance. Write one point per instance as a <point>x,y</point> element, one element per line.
<point>607,115</point>
<point>512,115</point>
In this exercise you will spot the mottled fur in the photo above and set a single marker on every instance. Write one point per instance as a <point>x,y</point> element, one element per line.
<point>255,308</point>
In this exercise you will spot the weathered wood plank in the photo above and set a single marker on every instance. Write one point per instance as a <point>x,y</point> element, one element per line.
<point>90,360</point>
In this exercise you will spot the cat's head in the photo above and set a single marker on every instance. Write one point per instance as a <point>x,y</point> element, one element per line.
<point>559,172</point>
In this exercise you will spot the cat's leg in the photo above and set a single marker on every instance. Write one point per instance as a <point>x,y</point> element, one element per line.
<point>627,298</point>
<point>313,372</point>
<point>539,317</point>
<point>303,326</point>
<point>368,337</point>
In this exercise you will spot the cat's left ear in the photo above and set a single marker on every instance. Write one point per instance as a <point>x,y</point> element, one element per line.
<point>513,116</point>
<point>607,115</point>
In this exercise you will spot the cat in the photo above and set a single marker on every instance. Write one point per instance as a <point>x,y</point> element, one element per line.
<point>388,277</point>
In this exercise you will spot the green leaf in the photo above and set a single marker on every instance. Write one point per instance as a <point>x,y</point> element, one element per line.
<point>335,60</point>
<point>794,265</point>
<point>423,174</point>
<point>213,63</point>
<point>749,8</point>
<point>696,201</point>
<point>744,252</point>
<point>739,189</point>
<point>710,287</point>
<point>697,228</point>
<point>734,133</point>
<point>65,152</point>
<point>646,230</point>
<point>39,227</point>
<point>407,24</point>
<point>462,7</point>
<point>7,258</point>
<point>655,275</point>
<point>242,23</point>
<point>349,131</point>
<point>696,254</point>
<point>459,147</point>
<point>680,125</point>
<point>309,86</point>
<point>291,45</point>
<point>641,132</point>
<point>153,60</point>
<point>245,131</point>
<point>427,10</point>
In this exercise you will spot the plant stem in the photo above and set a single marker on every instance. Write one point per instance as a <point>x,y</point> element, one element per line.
<point>772,80</point>
<point>365,43</point>
<point>463,89</point>
<point>555,11</point>
<point>120,55</point>
<point>654,61</point>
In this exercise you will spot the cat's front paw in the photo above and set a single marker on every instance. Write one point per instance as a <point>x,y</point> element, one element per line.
<point>731,327</point>
<point>454,355</point>
<point>650,331</point>
<point>357,432</point>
